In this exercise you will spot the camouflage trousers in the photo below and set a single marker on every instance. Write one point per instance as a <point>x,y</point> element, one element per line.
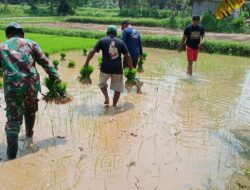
<point>18,104</point>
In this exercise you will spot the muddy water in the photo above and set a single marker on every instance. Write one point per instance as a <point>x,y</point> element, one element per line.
<point>179,135</point>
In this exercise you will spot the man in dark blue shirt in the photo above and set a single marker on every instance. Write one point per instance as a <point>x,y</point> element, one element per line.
<point>111,67</point>
<point>194,38</point>
<point>132,39</point>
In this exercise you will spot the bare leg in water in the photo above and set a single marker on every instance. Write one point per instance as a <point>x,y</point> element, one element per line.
<point>116,98</point>
<point>106,96</point>
<point>190,68</point>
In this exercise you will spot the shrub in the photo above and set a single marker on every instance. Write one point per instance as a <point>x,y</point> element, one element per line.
<point>57,92</point>
<point>63,55</point>
<point>71,64</point>
<point>56,63</point>
<point>85,73</point>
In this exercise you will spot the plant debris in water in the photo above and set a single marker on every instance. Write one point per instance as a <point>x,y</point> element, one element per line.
<point>85,73</point>
<point>132,80</point>
<point>57,92</point>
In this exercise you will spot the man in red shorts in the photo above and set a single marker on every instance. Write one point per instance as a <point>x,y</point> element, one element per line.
<point>194,37</point>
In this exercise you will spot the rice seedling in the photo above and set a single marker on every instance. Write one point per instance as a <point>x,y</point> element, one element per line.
<point>1,84</point>
<point>145,55</point>
<point>85,51</point>
<point>46,54</point>
<point>85,75</point>
<point>57,92</point>
<point>71,64</point>
<point>63,55</point>
<point>140,68</point>
<point>100,61</point>
<point>132,80</point>
<point>56,63</point>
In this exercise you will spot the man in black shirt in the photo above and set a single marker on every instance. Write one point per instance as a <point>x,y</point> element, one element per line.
<point>111,67</point>
<point>194,38</point>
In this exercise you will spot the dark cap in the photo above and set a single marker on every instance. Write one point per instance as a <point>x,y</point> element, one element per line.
<point>126,22</point>
<point>112,29</point>
<point>196,18</point>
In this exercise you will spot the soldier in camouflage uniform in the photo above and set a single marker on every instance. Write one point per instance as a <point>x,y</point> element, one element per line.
<point>18,57</point>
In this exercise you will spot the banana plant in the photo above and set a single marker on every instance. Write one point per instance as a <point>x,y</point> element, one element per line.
<point>226,8</point>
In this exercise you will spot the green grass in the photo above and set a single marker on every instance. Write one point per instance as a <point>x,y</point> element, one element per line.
<point>151,22</point>
<point>23,20</point>
<point>54,44</point>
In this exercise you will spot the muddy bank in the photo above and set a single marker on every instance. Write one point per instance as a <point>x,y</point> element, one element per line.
<point>145,30</point>
<point>180,134</point>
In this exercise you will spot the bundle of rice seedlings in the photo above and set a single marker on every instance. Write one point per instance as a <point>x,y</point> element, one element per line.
<point>46,54</point>
<point>85,51</point>
<point>85,75</point>
<point>57,92</point>
<point>144,55</point>
<point>132,80</point>
<point>140,68</point>
<point>71,64</point>
<point>63,55</point>
<point>1,84</point>
<point>100,61</point>
<point>56,63</point>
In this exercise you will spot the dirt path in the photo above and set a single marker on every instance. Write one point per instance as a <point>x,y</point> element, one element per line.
<point>147,30</point>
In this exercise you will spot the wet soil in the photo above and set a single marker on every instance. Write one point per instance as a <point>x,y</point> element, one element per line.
<point>145,30</point>
<point>179,134</point>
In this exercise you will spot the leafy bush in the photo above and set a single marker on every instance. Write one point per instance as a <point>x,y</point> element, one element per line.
<point>71,64</point>
<point>228,25</point>
<point>63,55</point>
<point>57,92</point>
<point>85,73</point>
<point>56,63</point>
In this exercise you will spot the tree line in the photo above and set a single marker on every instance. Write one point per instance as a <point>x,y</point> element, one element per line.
<point>65,7</point>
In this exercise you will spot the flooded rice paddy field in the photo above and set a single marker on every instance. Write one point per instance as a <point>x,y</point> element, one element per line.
<point>179,135</point>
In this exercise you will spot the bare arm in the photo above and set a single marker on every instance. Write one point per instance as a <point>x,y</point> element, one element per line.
<point>89,57</point>
<point>202,40</point>
<point>184,39</point>
<point>42,60</point>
